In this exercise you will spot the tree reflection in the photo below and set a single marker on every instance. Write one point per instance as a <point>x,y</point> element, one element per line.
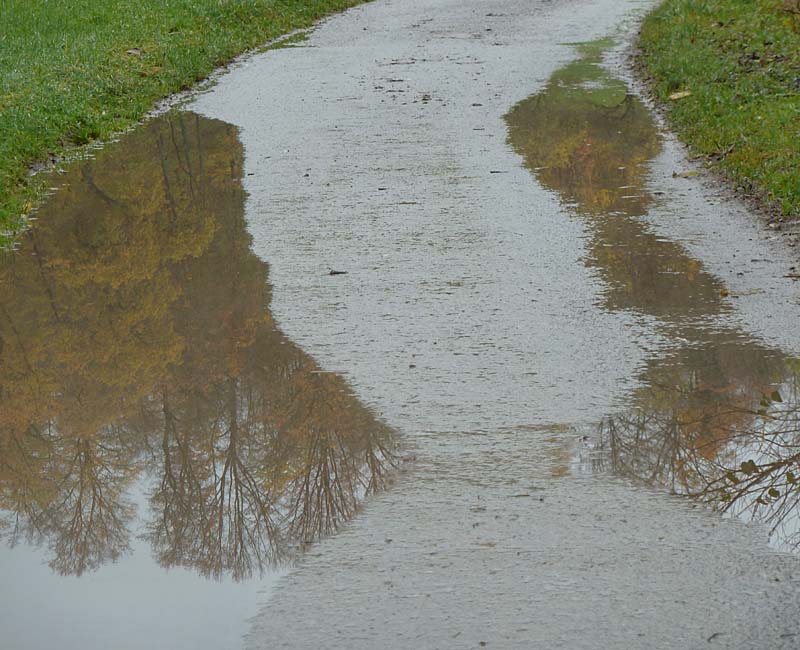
<point>740,453</point>
<point>214,512</point>
<point>589,140</point>
<point>139,353</point>
<point>68,493</point>
<point>705,423</point>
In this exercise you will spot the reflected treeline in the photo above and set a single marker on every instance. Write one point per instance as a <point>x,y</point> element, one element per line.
<point>588,139</point>
<point>707,421</point>
<point>734,446</point>
<point>138,352</point>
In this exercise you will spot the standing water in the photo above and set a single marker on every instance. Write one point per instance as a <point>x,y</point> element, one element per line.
<point>163,446</point>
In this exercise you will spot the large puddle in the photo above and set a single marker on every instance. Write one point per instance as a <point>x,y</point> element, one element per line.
<point>718,413</point>
<point>162,444</point>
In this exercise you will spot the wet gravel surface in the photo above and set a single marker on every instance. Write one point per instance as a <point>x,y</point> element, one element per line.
<point>469,320</point>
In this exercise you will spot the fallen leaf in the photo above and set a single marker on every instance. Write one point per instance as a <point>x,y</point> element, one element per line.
<point>680,95</point>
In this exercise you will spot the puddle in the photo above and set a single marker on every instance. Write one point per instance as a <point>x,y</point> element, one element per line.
<point>152,415</point>
<point>717,425</point>
<point>588,139</point>
<point>718,413</point>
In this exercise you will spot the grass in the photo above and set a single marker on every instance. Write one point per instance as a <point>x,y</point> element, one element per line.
<point>77,71</point>
<point>740,60</point>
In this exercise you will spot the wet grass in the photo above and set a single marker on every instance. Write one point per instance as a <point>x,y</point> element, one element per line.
<point>77,71</point>
<point>740,60</point>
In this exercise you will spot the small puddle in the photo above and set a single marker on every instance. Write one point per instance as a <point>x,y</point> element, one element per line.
<point>587,138</point>
<point>152,415</point>
<point>718,412</point>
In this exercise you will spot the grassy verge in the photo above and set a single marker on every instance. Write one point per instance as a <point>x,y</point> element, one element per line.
<point>740,60</point>
<point>76,71</point>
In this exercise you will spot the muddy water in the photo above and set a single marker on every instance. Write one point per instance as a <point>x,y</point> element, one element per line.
<point>163,446</point>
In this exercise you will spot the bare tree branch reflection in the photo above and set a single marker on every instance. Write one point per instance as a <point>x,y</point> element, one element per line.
<point>139,356</point>
<point>216,515</point>
<point>333,477</point>
<point>68,493</point>
<point>740,455</point>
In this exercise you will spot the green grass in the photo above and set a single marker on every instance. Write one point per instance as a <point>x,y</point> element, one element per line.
<point>76,71</point>
<point>740,59</point>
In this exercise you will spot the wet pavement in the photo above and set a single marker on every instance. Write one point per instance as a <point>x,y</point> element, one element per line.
<point>571,359</point>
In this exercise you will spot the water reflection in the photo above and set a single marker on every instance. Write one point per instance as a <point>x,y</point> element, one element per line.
<point>716,416</point>
<point>735,446</point>
<point>138,355</point>
<point>589,140</point>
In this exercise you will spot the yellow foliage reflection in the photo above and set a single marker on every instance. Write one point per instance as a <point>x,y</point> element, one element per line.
<point>138,352</point>
<point>590,141</point>
<point>703,422</point>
